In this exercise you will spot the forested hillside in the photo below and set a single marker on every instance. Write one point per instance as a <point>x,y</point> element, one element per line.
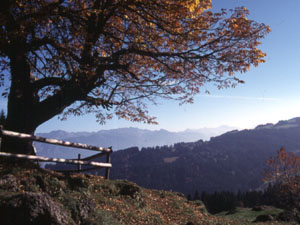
<point>233,161</point>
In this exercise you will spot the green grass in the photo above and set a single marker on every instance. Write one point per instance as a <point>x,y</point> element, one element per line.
<point>247,215</point>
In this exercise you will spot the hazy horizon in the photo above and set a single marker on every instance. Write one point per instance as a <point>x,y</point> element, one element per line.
<point>135,127</point>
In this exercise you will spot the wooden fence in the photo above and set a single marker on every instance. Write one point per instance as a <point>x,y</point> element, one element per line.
<point>85,161</point>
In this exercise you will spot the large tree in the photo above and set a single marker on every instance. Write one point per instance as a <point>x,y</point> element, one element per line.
<point>114,56</point>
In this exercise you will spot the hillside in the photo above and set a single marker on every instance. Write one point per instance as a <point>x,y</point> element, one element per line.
<point>232,161</point>
<point>38,196</point>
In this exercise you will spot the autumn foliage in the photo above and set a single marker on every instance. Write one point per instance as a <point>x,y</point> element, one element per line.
<point>283,172</point>
<point>116,56</point>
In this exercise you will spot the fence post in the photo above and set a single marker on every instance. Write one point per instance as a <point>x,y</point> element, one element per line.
<point>107,170</point>
<point>79,165</point>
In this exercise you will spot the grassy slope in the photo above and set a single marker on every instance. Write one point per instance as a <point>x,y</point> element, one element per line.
<point>247,215</point>
<point>109,202</point>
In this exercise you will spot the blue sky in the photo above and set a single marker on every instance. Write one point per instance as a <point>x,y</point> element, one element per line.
<point>271,91</point>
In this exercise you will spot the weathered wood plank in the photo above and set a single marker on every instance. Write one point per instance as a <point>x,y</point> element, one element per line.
<point>53,141</point>
<point>46,159</point>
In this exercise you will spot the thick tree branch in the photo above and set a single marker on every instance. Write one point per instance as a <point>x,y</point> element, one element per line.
<point>49,81</point>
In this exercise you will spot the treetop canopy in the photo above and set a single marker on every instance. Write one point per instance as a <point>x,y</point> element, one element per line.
<point>96,55</point>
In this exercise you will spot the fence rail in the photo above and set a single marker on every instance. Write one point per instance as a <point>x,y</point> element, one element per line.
<point>85,161</point>
<point>53,141</point>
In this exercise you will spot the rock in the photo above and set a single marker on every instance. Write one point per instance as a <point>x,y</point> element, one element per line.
<point>129,189</point>
<point>264,218</point>
<point>86,206</point>
<point>32,208</point>
<point>9,182</point>
<point>80,208</point>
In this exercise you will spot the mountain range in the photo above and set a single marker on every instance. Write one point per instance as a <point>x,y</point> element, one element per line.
<point>122,138</point>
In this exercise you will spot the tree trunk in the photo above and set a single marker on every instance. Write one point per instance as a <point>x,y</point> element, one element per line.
<point>22,101</point>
